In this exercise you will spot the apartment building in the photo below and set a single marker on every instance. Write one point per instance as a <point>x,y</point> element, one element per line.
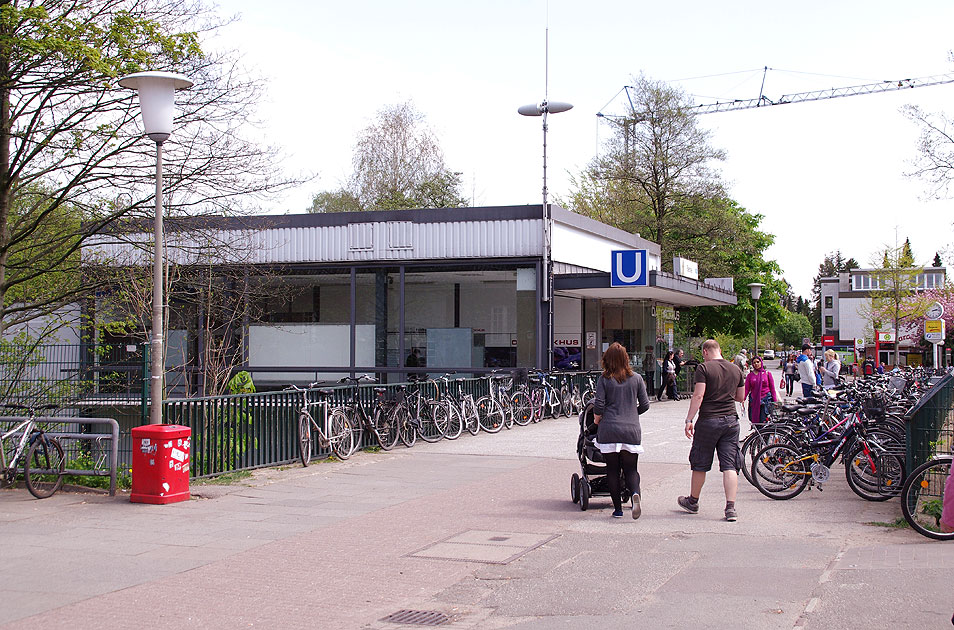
<point>846,306</point>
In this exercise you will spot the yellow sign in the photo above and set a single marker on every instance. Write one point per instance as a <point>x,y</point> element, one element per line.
<point>934,330</point>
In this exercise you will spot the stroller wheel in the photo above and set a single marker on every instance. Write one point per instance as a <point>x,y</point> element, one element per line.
<point>584,494</point>
<point>575,488</point>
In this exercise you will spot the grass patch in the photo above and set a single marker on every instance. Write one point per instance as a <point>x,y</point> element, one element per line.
<point>899,523</point>
<point>225,479</point>
<point>372,449</point>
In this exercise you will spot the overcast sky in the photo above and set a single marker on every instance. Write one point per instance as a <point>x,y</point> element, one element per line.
<point>825,175</point>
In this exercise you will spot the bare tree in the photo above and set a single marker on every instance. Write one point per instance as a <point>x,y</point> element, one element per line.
<point>935,161</point>
<point>657,167</point>
<point>398,164</point>
<point>73,160</point>
<point>214,291</point>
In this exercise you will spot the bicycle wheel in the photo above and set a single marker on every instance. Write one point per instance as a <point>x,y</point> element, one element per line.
<point>576,401</point>
<point>780,472</point>
<point>755,442</point>
<point>453,421</point>
<point>304,438</point>
<point>406,429</point>
<point>340,434</point>
<point>385,427</point>
<point>521,408</point>
<point>922,498</point>
<point>432,427</point>
<point>554,405</point>
<point>874,476</point>
<point>489,414</point>
<point>468,414</point>
<point>43,470</point>
<point>566,404</point>
<point>504,402</point>
<point>537,403</point>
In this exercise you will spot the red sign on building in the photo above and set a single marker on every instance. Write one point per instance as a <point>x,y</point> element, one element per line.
<point>828,340</point>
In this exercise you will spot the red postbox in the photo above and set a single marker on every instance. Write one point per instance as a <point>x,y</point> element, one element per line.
<point>160,463</point>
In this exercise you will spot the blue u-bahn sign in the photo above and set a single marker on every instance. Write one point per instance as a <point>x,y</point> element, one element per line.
<point>628,268</point>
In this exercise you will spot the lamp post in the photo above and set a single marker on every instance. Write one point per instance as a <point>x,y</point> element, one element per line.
<point>756,288</point>
<point>542,109</point>
<point>157,105</point>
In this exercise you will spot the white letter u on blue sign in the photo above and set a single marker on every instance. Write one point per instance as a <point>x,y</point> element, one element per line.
<point>629,268</point>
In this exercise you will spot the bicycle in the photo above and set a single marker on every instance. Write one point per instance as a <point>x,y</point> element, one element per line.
<point>922,497</point>
<point>336,432</point>
<point>874,472</point>
<point>42,455</point>
<point>381,423</point>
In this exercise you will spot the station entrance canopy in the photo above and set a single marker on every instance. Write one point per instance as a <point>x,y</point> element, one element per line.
<point>586,251</point>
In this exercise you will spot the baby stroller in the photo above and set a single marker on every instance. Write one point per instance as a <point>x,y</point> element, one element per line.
<point>592,478</point>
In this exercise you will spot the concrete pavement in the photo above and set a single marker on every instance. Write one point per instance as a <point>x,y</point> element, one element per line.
<point>480,530</point>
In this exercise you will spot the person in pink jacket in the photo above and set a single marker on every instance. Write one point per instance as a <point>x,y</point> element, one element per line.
<point>947,507</point>
<point>758,384</point>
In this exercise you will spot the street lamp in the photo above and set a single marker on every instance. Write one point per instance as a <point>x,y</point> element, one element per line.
<point>157,104</point>
<point>756,288</point>
<point>542,109</point>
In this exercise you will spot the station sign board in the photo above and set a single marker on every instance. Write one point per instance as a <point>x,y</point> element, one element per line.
<point>629,268</point>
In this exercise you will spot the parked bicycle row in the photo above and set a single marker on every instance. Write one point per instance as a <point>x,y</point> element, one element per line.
<point>861,425</point>
<point>433,409</point>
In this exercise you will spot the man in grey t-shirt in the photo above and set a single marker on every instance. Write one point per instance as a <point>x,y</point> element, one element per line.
<point>718,386</point>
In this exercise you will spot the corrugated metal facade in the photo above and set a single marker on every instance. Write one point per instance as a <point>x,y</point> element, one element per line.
<point>370,241</point>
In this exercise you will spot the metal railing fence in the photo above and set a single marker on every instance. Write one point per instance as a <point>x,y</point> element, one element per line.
<point>929,425</point>
<point>77,376</point>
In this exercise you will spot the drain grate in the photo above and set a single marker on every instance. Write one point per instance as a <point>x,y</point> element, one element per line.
<point>418,617</point>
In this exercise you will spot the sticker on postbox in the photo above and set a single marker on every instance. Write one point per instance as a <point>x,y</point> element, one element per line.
<point>177,455</point>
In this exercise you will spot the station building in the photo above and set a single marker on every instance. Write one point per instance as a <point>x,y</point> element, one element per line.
<point>463,289</point>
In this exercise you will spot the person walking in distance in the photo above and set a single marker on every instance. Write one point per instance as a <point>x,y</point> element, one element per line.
<point>718,386</point>
<point>679,360</point>
<point>621,398</point>
<point>668,376</point>
<point>806,371</point>
<point>790,370</point>
<point>649,369</point>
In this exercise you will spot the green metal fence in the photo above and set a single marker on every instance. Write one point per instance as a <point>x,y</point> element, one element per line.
<point>249,431</point>
<point>930,424</point>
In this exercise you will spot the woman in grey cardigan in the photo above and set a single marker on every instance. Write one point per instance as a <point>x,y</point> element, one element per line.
<point>620,398</point>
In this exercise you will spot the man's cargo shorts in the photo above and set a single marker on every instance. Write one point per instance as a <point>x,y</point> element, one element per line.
<point>720,434</point>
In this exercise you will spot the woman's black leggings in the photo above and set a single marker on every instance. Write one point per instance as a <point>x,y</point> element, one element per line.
<point>627,462</point>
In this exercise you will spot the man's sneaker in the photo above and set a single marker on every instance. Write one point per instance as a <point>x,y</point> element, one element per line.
<point>637,510</point>
<point>618,514</point>
<point>692,508</point>
<point>731,515</point>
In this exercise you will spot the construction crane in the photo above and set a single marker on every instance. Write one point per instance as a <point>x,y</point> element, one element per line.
<point>798,97</point>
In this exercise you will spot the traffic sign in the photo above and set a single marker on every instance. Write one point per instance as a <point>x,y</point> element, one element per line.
<point>860,343</point>
<point>934,330</point>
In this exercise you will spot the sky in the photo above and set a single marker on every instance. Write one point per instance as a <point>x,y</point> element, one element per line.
<point>825,175</point>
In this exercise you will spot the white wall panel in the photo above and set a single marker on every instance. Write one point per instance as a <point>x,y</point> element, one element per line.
<point>415,241</point>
